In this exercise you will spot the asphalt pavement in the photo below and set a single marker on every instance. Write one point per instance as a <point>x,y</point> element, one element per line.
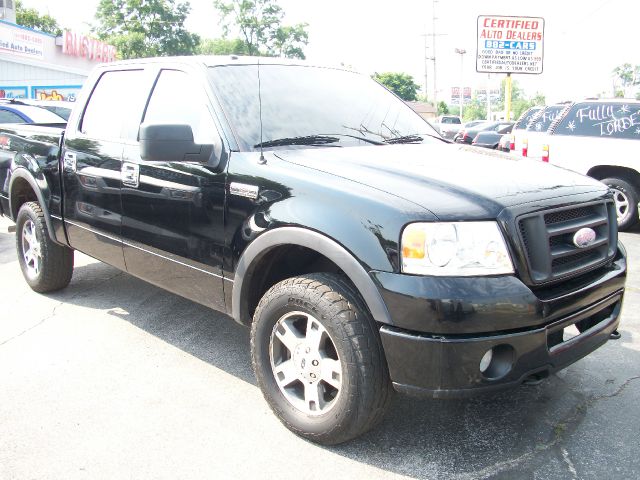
<point>113,378</point>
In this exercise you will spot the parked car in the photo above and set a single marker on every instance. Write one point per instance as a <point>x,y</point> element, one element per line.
<point>491,138</point>
<point>467,135</point>
<point>399,261</point>
<point>520,126</point>
<point>601,138</point>
<point>59,107</point>
<point>467,125</point>
<point>448,125</point>
<point>531,139</point>
<point>15,111</point>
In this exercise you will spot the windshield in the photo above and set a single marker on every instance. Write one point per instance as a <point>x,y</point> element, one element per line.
<point>300,101</point>
<point>39,115</point>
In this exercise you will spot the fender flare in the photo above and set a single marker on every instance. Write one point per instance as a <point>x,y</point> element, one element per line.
<point>314,241</point>
<point>24,174</point>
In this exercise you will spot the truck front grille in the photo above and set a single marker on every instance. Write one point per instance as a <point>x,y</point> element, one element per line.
<point>548,240</point>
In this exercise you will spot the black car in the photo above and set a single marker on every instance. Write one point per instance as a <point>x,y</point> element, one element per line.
<point>491,138</point>
<point>468,134</point>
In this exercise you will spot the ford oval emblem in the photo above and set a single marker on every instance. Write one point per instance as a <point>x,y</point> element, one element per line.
<point>584,237</point>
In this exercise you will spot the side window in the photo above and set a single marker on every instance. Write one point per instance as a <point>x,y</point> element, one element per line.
<point>607,120</point>
<point>117,99</point>
<point>9,117</point>
<point>178,99</point>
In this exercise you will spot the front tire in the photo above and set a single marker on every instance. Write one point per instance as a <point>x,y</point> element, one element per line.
<point>626,200</point>
<point>318,358</point>
<point>46,266</point>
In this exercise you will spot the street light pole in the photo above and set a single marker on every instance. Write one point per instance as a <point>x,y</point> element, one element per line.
<point>461,52</point>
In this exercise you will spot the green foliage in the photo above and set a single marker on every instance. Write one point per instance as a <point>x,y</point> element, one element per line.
<point>401,84</point>
<point>145,28</point>
<point>29,17</point>
<point>443,109</point>
<point>475,110</point>
<point>259,24</point>
<point>223,46</point>
<point>628,76</point>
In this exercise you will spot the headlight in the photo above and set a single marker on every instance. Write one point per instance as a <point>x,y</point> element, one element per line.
<point>454,249</point>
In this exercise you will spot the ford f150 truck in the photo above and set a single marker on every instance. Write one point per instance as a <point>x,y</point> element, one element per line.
<point>365,252</point>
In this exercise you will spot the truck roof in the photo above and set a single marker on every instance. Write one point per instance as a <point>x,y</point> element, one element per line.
<point>220,60</point>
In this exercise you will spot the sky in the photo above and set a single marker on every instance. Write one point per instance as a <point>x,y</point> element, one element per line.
<point>584,40</point>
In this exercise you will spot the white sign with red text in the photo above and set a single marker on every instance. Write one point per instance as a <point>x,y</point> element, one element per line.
<point>18,41</point>
<point>510,44</point>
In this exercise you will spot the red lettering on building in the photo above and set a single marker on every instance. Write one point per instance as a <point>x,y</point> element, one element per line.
<point>79,45</point>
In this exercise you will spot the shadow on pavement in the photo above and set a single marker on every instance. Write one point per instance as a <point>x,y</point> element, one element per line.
<point>519,431</point>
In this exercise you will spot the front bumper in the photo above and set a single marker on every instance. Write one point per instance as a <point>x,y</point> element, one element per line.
<point>442,331</point>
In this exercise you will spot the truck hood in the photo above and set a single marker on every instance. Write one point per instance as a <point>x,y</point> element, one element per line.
<point>451,181</point>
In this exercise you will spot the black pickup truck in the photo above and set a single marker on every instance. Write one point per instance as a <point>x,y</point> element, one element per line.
<point>365,253</point>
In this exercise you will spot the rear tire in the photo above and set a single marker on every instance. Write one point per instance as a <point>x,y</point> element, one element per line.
<point>626,198</point>
<point>46,266</point>
<point>302,325</point>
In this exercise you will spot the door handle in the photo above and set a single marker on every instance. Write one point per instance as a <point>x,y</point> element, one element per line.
<point>70,161</point>
<point>130,175</point>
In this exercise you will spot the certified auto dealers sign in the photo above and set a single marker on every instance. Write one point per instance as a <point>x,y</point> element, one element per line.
<point>510,44</point>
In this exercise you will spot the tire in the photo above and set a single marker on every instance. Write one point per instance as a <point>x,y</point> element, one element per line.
<point>46,266</point>
<point>626,199</point>
<point>344,352</point>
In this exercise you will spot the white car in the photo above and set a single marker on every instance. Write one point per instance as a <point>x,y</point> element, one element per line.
<point>529,141</point>
<point>448,125</point>
<point>519,127</point>
<point>601,139</point>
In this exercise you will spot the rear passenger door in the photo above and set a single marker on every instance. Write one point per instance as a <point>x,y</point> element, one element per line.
<point>92,160</point>
<point>173,210</point>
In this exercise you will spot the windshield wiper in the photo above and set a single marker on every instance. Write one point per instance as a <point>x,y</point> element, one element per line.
<point>303,140</point>
<point>404,139</point>
<point>313,140</point>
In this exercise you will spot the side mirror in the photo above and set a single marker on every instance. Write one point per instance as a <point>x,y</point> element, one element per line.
<point>173,143</point>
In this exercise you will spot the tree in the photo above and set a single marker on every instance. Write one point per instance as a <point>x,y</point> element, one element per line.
<point>259,24</point>
<point>29,17</point>
<point>628,75</point>
<point>476,110</point>
<point>145,28</point>
<point>222,46</point>
<point>401,84</point>
<point>443,109</point>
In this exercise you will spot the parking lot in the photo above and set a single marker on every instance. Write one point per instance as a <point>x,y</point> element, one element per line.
<point>115,378</point>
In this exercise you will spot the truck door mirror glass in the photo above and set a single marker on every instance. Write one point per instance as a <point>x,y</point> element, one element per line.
<point>174,143</point>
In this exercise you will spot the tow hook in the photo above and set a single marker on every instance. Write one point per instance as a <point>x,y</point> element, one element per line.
<point>615,335</point>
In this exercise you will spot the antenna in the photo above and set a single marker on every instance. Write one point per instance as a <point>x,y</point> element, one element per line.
<point>262,160</point>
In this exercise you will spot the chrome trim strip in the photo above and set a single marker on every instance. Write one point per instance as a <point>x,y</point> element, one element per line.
<point>148,251</point>
<point>56,217</point>
<point>117,240</point>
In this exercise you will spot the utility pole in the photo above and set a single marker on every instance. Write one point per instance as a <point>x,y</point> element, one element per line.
<point>488,92</point>
<point>461,52</point>
<point>433,36</point>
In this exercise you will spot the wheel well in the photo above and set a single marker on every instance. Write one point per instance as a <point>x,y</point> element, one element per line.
<point>21,192</point>
<point>606,171</point>
<point>279,263</point>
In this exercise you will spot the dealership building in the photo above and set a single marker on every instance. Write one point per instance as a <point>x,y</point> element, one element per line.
<point>38,65</point>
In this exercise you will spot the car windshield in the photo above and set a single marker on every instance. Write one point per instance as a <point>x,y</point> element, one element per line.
<point>38,115</point>
<point>305,106</point>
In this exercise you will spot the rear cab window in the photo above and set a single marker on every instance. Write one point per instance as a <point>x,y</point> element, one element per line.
<point>543,119</point>
<point>602,119</point>
<point>526,117</point>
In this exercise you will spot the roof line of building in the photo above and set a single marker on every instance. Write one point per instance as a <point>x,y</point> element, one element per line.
<point>28,28</point>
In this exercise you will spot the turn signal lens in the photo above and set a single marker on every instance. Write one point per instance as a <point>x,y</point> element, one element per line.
<point>525,147</point>
<point>413,241</point>
<point>545,153</point>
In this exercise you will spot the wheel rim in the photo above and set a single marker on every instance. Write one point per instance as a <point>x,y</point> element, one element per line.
<point>622,204</point>
<point>31,249</point>
<point>305,363</point>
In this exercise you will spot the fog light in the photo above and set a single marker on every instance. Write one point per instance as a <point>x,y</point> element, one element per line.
<point>486,360</point>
